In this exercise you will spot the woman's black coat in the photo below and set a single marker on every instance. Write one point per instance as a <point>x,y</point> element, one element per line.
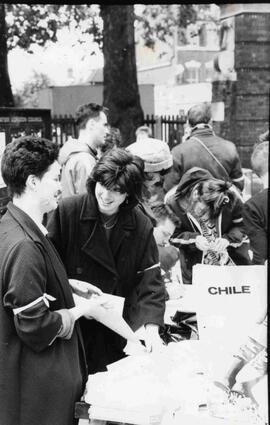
<point>121,266</point>
<point>41,376</point>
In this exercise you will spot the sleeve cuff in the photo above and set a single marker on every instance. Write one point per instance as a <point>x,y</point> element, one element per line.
<point>68,321</point>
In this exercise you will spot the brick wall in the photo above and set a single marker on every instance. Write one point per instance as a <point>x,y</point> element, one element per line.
<point>223,91</point>
<point>247,99</point>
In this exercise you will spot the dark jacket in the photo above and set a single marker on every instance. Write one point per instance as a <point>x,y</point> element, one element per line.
<point>41,376</point>
<point>191,154</point>
<point>121,266</point>
<point>229,225</point>
<point>256,225</point>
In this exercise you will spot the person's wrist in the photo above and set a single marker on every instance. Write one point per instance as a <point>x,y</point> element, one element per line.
<point>227,243</point>
<point>78,311</point>
<point>152,329</point>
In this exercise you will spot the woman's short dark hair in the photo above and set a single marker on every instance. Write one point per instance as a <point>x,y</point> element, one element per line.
<point>119,170</point>
<point>25,156</point>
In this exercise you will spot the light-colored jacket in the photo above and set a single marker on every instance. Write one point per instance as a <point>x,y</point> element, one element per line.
<point>77,161</point>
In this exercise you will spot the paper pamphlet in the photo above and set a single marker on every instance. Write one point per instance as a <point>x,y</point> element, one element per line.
<point>110,316</point>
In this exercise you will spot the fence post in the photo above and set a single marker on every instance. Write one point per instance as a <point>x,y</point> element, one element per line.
<point>158,129</point>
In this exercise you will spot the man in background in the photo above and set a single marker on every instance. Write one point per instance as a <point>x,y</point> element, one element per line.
<point>203,148</point>
<point>143,132</point>
<point>78,156</point>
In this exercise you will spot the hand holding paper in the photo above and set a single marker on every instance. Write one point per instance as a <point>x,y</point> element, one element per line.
<point>102,309</point>
<point>84,289</point>
<point>153,342</point>
<point>87,307</point>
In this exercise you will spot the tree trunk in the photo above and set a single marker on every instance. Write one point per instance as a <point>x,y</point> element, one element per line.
<point>6,97</point>
<point>121,93</point>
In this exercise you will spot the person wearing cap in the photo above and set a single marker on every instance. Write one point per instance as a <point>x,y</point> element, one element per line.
<point>203,148</point>
<point>157,163</point>
<point>211,227</point>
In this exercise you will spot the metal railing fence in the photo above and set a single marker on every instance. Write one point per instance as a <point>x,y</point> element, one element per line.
<point>168,128</point>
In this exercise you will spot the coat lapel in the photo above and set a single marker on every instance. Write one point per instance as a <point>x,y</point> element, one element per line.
<point>96,246</point>
<point>125,224</point>
<point>37,236</point>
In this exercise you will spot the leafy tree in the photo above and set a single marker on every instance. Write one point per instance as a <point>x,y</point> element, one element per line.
<point>28,24</point>
<point>27,96</point>
<point>38,24</point>
<point>159,21</point>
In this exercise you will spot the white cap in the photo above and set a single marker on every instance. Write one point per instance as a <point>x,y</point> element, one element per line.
<point>154,152</point>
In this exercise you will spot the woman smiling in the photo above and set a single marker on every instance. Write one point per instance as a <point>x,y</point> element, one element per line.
<point>105,239</point>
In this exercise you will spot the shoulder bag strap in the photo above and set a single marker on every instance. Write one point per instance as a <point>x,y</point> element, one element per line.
<point>234,188</point>
<point>213,156</point>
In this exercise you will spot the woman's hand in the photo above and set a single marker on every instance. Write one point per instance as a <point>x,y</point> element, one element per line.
<point>89,307</point>
<point>84,289</point>
<point>175,290</point>
<point>96,304</point>
<point>153,342</point>
<point>201,243</point>
<point>220,245</point>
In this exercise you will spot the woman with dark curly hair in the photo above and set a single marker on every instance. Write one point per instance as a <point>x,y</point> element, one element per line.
<point>211,223</point>
<point>104,238</point>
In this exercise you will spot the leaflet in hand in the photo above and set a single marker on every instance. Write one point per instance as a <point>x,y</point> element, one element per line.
<point>109,314</point>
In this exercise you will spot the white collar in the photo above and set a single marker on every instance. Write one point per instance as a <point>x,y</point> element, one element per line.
<point>38,223</point>
<point>41,227</point>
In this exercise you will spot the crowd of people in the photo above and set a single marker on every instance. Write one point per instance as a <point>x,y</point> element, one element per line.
<point>118,219</point>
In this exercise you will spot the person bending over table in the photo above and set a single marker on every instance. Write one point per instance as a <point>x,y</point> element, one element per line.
<point>211,223</point>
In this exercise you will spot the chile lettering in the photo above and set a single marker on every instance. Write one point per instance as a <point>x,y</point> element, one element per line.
<point>229,290</point>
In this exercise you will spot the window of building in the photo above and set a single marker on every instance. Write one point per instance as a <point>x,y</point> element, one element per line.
<point>179,73</point>
<point>192,71</point>
<point>209,71</point>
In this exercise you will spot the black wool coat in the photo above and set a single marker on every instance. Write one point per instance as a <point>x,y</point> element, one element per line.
<point>41,376</point>
<point>121,266</point>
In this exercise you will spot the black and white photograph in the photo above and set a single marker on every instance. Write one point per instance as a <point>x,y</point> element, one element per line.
<point>134,175</point>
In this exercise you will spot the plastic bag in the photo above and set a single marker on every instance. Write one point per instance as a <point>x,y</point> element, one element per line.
<point>185,328</point>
